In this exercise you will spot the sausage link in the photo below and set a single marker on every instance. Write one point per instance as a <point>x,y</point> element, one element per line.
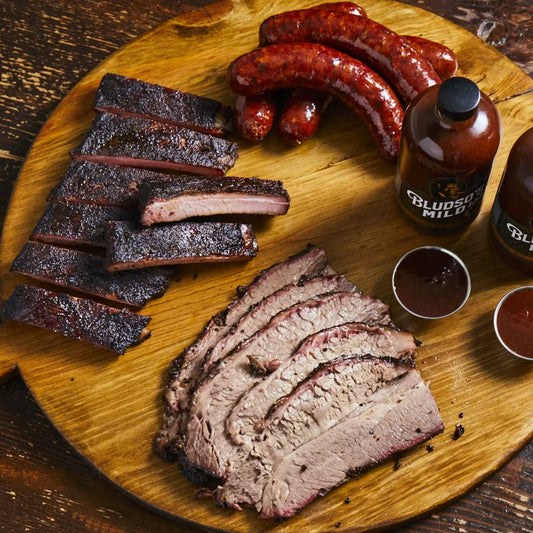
<point>302,114</point>
<point>379,47</point>
<point>344,7</point>
<point>254,115</point>
<point>320,67</point>
<point>441,57</point>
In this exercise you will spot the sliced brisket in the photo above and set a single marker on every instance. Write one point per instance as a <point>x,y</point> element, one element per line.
<point>67,223</point>
<point>141,142</point>
<point>129,96</point>
<point>207,447</point>
<point>185,196</point>
<point>185,368</point>
<point>352,338</point>
<point>86,273</point>
<point>78,318</point>
<point>129,246</point>
<point>351,413</point>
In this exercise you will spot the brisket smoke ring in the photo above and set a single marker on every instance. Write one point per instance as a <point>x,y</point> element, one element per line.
<point>282,401</point>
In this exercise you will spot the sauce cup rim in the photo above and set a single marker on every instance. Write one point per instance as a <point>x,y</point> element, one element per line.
<point>448,252</point>
<point>495,320</point>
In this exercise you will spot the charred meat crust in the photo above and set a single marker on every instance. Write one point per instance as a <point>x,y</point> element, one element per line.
<point>129,96</point>
<point>101,184</point>
<point>141,142</point>
<point>170,199</point>
<point>72,223</point>
<point>79,318</point>
<point>86,272</point>
<point>129,246</point>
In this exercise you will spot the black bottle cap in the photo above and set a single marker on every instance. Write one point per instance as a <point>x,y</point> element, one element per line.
<point>458,98</point>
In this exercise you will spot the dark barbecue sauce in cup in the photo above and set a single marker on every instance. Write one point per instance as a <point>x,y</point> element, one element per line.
<point>513,322</point>
<point>431,282</point>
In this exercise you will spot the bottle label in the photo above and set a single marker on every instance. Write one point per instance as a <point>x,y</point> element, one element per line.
<point>515,236</point>
<point>448,201</point>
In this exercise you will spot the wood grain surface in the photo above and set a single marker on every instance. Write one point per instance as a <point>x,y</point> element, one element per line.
<point>474,373</point>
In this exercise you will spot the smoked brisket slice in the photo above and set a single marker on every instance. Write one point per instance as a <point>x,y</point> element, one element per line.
<point>141,142</point>
<point>185,368</point>
<point>101,184</point>
<point>350,414</point>
<point>176,198</point>
<point>207,447</point>
<point>260,314</point>
<point>67,223</point>
<point>78,318</point>
<point>130,246</point>
<point>352,338</point>
<point>86,273</point>
<point>129,96</point>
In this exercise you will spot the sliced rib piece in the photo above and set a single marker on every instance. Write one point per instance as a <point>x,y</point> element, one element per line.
<point>184,369</point>
<point>347,416</point>
<point>100,183</point>
<point>260,314</point>
<point>86,273</point>
<point>348,339</point>
<point>78,318</point>
<point>129,246</point>
<point>67,223</point>
<point>207,447</point>
<point>141,142</point>
<point>129,96</point>
<point>175,198</point>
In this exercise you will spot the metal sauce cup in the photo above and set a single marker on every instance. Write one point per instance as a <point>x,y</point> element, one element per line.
<point>431,282</point>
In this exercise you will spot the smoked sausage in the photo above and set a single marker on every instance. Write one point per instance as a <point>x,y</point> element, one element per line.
<point>376,45</point>
<point>316,66</point>
<point>441,57</point>
<point>254,115</point>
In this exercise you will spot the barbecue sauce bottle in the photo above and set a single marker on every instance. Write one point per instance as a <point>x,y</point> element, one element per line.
<point>450,135</point>
<point>511,221</point>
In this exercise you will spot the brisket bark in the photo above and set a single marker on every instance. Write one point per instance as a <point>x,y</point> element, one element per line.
<point>176,198</point>
<point>141,142</point>
<point>348,339</point>
<point>207,448</point>
<point>78,318</point>
<point>185,368</point>
<point>67,223</point>
<point>129,246</point>
<point>350,414</point>
<point>129,96</point>
<point>85,272</point>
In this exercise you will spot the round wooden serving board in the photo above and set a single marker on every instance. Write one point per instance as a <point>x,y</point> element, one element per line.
<point>110,407</point>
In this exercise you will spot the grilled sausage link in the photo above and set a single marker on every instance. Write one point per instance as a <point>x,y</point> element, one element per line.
<point>320,67</point>
<point>441,57</point>
<point>254,115</point>
<point>379,47</point>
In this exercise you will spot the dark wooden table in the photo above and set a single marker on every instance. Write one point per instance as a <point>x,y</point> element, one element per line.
<point>46,46</point>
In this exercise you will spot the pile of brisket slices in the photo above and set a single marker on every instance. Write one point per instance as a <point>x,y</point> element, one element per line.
<point>143,192</point>
<point>299,384</point>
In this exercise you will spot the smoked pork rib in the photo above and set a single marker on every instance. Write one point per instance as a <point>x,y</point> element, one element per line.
<point>207,447</point>
<point>350,414</point>
<point>73,223</point>
<point>177,198</point>
<point>187,366</point>
<point>78,318</point>
<point>101,184</point>
<point>86,273</point>
<point>124,95</point>
<point>141,142</point>
<point>130,246</point>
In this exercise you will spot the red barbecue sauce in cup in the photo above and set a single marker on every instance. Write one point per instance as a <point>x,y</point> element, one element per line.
<point>513,322</point>
<point>431,282</point>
